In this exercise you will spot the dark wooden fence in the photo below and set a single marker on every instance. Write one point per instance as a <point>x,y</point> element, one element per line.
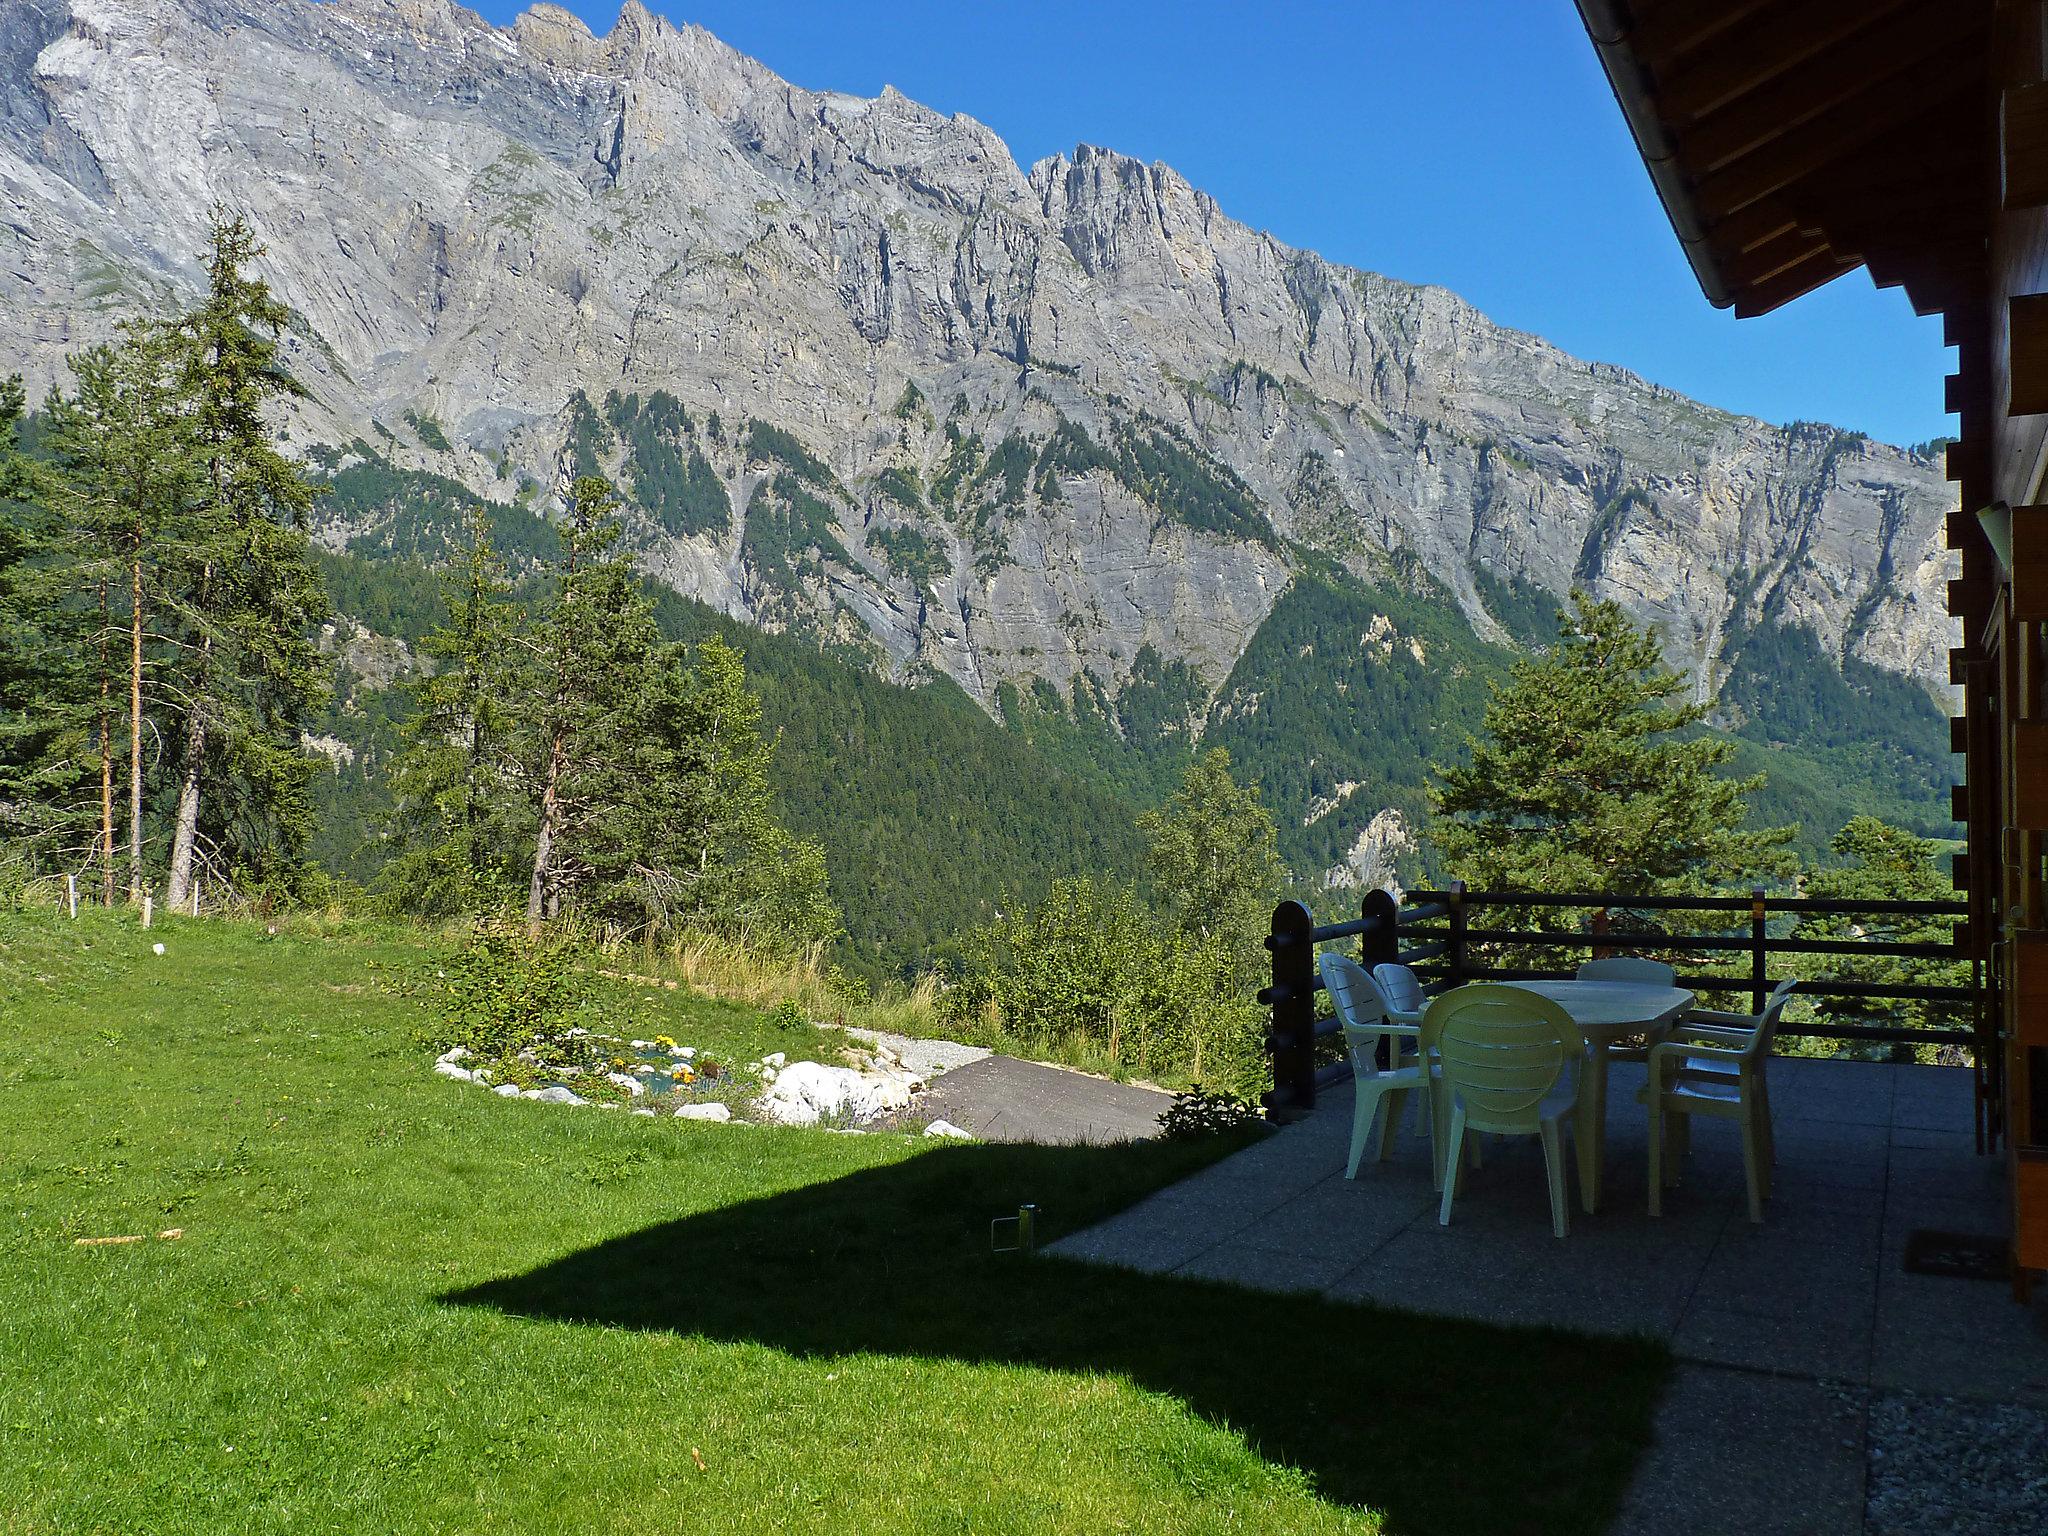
<point>1435,932</point>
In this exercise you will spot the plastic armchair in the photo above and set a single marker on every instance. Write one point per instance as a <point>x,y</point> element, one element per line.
<point>1724,1078</point>
<point>1649,973</point>
<point>1369,1025</point>
<point>1505,1052</point>
<point>1402,989</point>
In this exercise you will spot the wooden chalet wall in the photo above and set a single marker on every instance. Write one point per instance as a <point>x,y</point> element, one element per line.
<point>1792,141</point>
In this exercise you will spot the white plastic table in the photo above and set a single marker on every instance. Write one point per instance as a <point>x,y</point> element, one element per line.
<point>1606,1013</point>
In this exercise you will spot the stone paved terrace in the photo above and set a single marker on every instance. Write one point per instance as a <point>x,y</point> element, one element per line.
<point>1789,1334</point>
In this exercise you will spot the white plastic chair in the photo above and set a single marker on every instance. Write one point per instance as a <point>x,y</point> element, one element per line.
<point>1369,1024</point>
<point>1402,989</point>
<point>1505,1054</point>
<point>1725,1079</point>
<point>1649,973</point>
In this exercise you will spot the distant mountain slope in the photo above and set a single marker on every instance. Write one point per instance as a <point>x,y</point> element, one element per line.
<point>1015,425</point>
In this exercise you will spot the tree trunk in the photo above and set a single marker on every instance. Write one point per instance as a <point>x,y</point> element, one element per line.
<point>544,842</point>
<point>135,732</point>
<point>179,887</point>
<point>106,842</point>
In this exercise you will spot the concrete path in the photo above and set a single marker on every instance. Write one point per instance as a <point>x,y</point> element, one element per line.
<point>1787,1331</point>
<point>1000,1098</point>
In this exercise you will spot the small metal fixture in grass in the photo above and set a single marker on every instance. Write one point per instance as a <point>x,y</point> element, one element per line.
<point>1025,1222</point>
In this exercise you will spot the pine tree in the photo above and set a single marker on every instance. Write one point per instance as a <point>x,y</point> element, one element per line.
<point>1588,777</point>
<point>47,637</point>
<point>716,854</point>
<point>594,653</point>
<point>127,469</point>
<point>252,671</point>
<point>455,782</point>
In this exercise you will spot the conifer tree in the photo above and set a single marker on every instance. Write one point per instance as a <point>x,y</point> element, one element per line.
<point>1589,777</point>
<point>252,671</point>
<point>718,855</point>
<point>455,781</point>
<point>127,472</point>
<point>47,637</point>
<point>594,652</point>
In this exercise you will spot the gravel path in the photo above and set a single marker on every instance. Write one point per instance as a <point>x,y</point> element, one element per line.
<point>927,1058</point>
<point>1957,1466</point>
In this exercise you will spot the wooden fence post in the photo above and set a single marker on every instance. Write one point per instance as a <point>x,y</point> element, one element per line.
<point>1758,984</point>
<point>1601,923</point>
<point>1291,1038</point>
<point>1380,942</point>
<point>1454,959</point>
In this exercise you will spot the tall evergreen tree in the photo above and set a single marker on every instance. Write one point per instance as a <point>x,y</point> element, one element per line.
<point>594,651</point>
<point>124,452</point>
<point>455,782</point>
<point>1587,776</point>
<point>252,671</point>
<point>717,855</point>
<point>46,651</point>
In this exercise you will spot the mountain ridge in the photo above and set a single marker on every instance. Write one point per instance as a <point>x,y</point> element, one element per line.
<point>478,226</point>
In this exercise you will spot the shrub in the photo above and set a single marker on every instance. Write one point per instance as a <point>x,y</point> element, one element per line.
<point>508,993</point>
<point>788,1016</point>
<point>1198,1113</point>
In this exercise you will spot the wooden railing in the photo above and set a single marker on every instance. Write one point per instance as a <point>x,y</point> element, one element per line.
<point>1434,932</point>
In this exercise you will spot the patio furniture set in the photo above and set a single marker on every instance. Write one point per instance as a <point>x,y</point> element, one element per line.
<point>1532,1059</point>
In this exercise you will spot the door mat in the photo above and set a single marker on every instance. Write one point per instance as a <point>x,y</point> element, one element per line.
<point>1958,1255</point>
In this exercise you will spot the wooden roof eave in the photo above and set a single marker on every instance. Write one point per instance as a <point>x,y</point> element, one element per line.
<point>1610,41</point>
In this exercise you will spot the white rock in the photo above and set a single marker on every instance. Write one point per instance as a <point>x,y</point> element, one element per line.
<point>776,1060</point>
<point>529,1093</point>
<point>641,1045</point>
<point>632,1085</point>
<point>684,1051</point>
<point>808,1091</point>
<point>156,949</point>
<point>718,1113</point>
<point>454,1053</point>
<point>449,1069</point>
<point>507,1090</point>
<point>647,1112</point>
<point>948,1128</point>
<point>557,1094</point>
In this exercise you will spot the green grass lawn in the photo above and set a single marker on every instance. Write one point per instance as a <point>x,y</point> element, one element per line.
<point>401,1304</point>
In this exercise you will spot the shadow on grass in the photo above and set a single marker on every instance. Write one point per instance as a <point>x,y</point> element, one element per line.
<point>1442,1426</point>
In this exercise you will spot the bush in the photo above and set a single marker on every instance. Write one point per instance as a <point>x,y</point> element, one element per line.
<point>1199,1113</point>
<point>1089,973</point>
<point>508,993</point>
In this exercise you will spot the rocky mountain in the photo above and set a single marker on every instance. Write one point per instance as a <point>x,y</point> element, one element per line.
<point>863,376</point>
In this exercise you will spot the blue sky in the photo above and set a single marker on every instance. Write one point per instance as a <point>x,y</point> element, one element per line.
<point>1472,143</point>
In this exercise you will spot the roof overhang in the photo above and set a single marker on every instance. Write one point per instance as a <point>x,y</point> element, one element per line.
<point>1792,141</point>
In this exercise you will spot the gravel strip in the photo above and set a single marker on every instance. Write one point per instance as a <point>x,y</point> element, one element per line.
<point>927,1058</point>
<point>1956,1466</point>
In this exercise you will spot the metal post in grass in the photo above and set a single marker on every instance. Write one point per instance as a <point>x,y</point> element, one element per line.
<point>1290,1036</point>
<point>71,895</point>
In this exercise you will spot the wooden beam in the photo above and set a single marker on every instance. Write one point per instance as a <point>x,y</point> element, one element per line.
<point>1959,734</point>
<point>1787,286</point>
<point>2030,564</point>
<point>2026,317</point>
<point>1764,262</point>
<point>1679,26</point>
<point>1748,123</point>
<point>2023,146</point>
<point>1760,221</point>
<point>2029,775</point>
<point>1817,145</point>
<point>1762,48</point>
<point>1969,458</point>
